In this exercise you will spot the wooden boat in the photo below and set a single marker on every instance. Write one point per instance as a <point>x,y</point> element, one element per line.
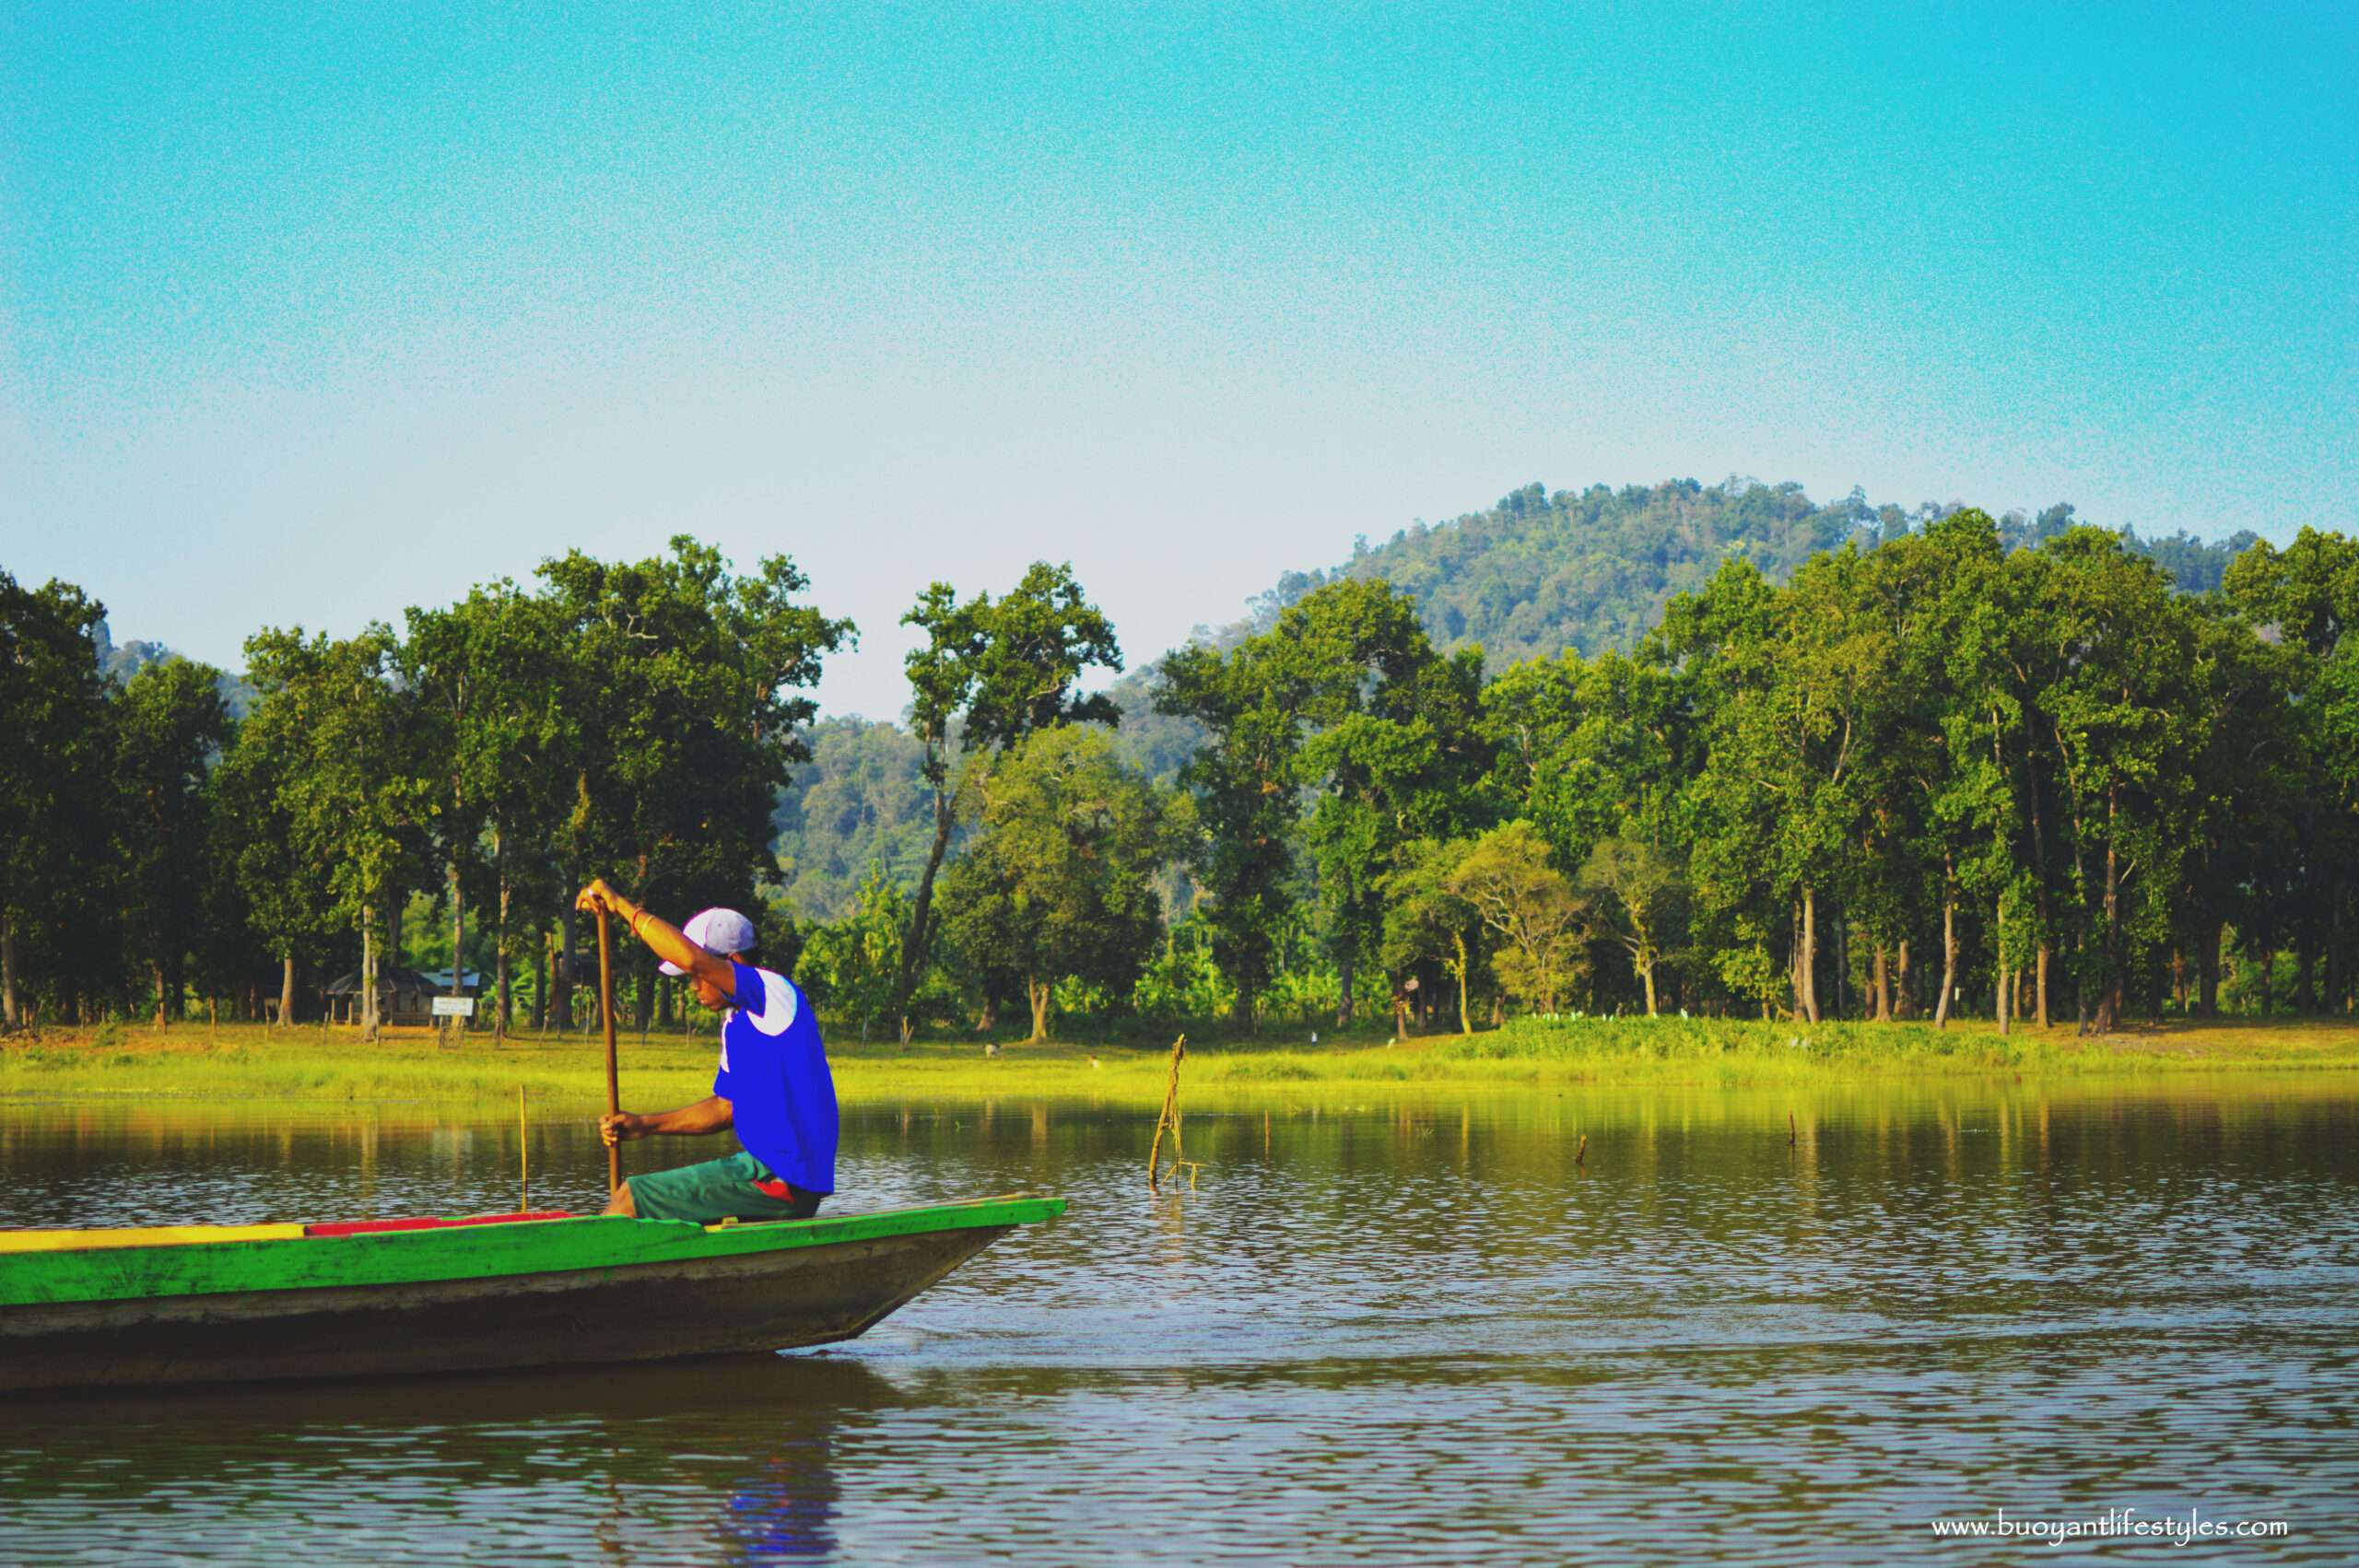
<point>235,1304</point>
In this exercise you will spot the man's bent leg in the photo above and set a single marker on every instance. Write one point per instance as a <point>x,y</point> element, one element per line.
<point>621,1202</point>
<point>715,1190</point>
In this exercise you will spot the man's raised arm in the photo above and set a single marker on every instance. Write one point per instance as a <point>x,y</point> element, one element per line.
<point>662,936</point>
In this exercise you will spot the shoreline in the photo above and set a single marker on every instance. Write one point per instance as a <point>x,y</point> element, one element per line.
<point>191,1061</point>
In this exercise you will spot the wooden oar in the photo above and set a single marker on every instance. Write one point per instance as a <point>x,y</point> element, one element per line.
<point>606,1017</point>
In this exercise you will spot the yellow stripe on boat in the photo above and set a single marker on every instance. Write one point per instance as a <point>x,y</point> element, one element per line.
<point>142,1235</point>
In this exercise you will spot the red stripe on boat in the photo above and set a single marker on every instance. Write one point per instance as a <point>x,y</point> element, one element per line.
<point>376,1227</point>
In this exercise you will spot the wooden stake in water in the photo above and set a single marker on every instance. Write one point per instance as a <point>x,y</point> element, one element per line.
<point>523,1159</point>
<point>1168,1118</point>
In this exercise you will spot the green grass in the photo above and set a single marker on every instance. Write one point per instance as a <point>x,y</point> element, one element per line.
<point>251,1061</point>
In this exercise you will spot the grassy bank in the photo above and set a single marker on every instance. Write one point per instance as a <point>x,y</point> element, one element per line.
<point>252,1062</point>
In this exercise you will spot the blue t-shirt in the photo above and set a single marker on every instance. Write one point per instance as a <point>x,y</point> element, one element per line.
<point>774,1075</point>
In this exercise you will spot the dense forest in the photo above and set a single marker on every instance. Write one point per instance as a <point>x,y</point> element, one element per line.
<point>1536,574</point>
<point>1711,750</point>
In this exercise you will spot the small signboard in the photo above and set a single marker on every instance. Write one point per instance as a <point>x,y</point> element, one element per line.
<point>454,1007</point>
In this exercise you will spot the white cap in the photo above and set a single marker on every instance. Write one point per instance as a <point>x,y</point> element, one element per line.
<point>717,931</point>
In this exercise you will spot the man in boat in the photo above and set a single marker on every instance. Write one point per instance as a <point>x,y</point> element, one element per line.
<point>773,1087</point>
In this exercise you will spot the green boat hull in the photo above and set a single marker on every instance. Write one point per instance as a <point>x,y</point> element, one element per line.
<point>537,1294</point>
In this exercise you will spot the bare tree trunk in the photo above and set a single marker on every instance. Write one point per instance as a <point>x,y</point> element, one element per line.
<point>369,970</point>
<point>1795,966</point>
<point>1806,957</point>
<point>1040,994</point>
<point>1466,1026</point>
<point>1902,1006</point>
<point>2335,946</point>
<point>2039,863</point>
<point>457,1026</point>
<point>1999,950</point>
<point>1645,973</point>
<point>2109,994</point>
<point>1883,986</point>
<point>9,1013</point>
<point>502,1005</point>
<point>2207,969</point>
<point>920,934</point>
<point>1949,947</point>
<point>287,991</point>
<point>1842,965</point>
<point>562,1003</point>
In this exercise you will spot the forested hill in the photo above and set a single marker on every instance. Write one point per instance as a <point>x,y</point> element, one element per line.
<point>1541,571</point>
<point>1536,574</point>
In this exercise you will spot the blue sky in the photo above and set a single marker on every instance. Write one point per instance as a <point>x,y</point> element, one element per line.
<point>308,314</point>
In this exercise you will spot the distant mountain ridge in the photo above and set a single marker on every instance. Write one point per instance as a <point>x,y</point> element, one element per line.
<point>1542,571</point>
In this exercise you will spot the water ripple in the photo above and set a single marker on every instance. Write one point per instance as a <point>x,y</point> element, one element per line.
<point>1393,1331</point>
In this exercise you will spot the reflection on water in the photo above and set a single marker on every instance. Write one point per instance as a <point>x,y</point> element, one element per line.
<point>728,1460</point>
<point>1400,1328</point>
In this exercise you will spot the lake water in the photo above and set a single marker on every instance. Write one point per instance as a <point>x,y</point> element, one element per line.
<point>1389,1330</point>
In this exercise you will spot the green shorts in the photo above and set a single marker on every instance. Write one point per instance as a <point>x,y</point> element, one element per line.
<point>716,1190</point>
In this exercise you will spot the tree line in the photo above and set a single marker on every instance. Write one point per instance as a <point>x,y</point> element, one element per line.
<point>635,718</point>
<point>1960,766</point>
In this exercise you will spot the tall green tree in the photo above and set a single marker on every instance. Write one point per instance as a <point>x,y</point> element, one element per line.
<point>2305,850</point>
<point>1426,921</point>
<point>1059,881</point>
<point>988,675</point>
<point>274,876</point>
<point>1745,860</point>
<point>684,681</point>
<point>1243,781</point>
<point>851,966</point>
<point>170,727</point>
<point>356,792</point>
<point>490,678</point>
<point>1393,752</point>
<point>1636,892</point>
<point>2116,699</point>
<point>55,747</point>
<point>1536,924</point>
